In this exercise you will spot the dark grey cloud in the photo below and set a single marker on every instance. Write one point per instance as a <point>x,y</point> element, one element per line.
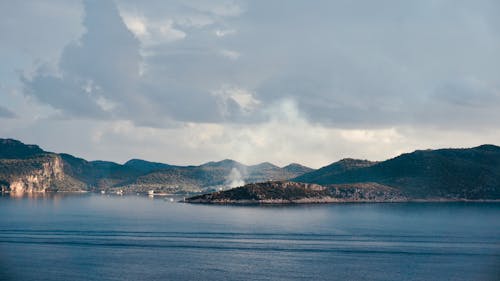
<point>37,30</point>
<point>94,73</point>
<point>380,64</point>
<point>6,113</point>
<point>99,76</point>
<point>468,93</point>
<point>188,81</point>
<point>346,65</point>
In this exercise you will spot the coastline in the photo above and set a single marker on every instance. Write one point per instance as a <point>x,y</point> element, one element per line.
<point>302,201</point>
<point>331,201</point>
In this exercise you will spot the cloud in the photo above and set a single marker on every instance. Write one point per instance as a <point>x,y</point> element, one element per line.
<point>233,55</point>
<point>468,92</point>
<point>226,8</point>
<point>370,136</point>
<point>232,96</point>
<point>152,33</point>
<point>286,136</point>
<point>224,32</point>
<point>6,113</point>
<point>228,79</point>
<point>136,24</point>
<point>101,69</point>
<point>24,23</point>
<point>349,68</point>
<point>167,30</point>
<point>120,69</point>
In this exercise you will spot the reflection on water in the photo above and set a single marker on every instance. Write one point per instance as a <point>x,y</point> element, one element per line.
<point>68,236</point>
<point>55,196</point>
<point>40,195</point>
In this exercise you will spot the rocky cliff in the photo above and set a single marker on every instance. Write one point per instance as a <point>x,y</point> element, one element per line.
<point>42,173</point>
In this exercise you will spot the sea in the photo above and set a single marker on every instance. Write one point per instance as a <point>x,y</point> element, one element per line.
<point>135,237</point>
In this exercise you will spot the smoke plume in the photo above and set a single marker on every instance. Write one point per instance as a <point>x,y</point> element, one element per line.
<point>234,179</point>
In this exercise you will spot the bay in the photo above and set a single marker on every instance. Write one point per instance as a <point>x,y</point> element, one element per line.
<point>104,237</point>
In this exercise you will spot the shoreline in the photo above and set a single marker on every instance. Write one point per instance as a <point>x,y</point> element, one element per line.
<point>319,202</point>
<point>95,192</point>
<point>304,201</point>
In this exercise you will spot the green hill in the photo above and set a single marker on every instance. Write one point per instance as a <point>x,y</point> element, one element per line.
<point>29,168</point>
<point>472,173</point>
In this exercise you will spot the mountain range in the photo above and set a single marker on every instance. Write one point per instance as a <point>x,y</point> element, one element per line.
<point>429,175</point>
<point>453,173</point>
<point>26,168</point>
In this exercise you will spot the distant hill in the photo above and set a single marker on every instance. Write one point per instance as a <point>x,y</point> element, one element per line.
<point>470,173</point>
<point>98,174</point>
<point>14,149</point>
<point>297,169</point>
<point>323,174</point>
<point>146,166</point>
<point>216,174</point>
<point>30,168</point>
<point>267,171</point>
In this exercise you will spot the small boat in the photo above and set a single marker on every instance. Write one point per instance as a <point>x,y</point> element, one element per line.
<point>103,191</point>
<point>119,192</point>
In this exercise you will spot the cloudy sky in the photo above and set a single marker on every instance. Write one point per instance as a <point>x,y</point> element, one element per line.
<point>188,81</point>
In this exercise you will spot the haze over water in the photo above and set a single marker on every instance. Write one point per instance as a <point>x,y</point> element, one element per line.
<point>95,237</point>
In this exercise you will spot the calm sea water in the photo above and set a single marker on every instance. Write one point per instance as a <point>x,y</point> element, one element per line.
<point>99,237</point>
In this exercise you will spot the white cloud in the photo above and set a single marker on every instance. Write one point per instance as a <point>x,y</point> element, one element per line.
<point>137,25</point>
<point>105,104</point>
<point>286,137</point>
<point>232,55</point>
<point>366,136</point>
<point>169,32</point>
<point>243,98</point>
<point>224,32</point>
<point>151,32</point>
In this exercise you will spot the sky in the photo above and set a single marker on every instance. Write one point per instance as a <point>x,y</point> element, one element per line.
<point>188,81</point>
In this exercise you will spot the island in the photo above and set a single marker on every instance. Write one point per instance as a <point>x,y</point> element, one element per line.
<point>286,192</point>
